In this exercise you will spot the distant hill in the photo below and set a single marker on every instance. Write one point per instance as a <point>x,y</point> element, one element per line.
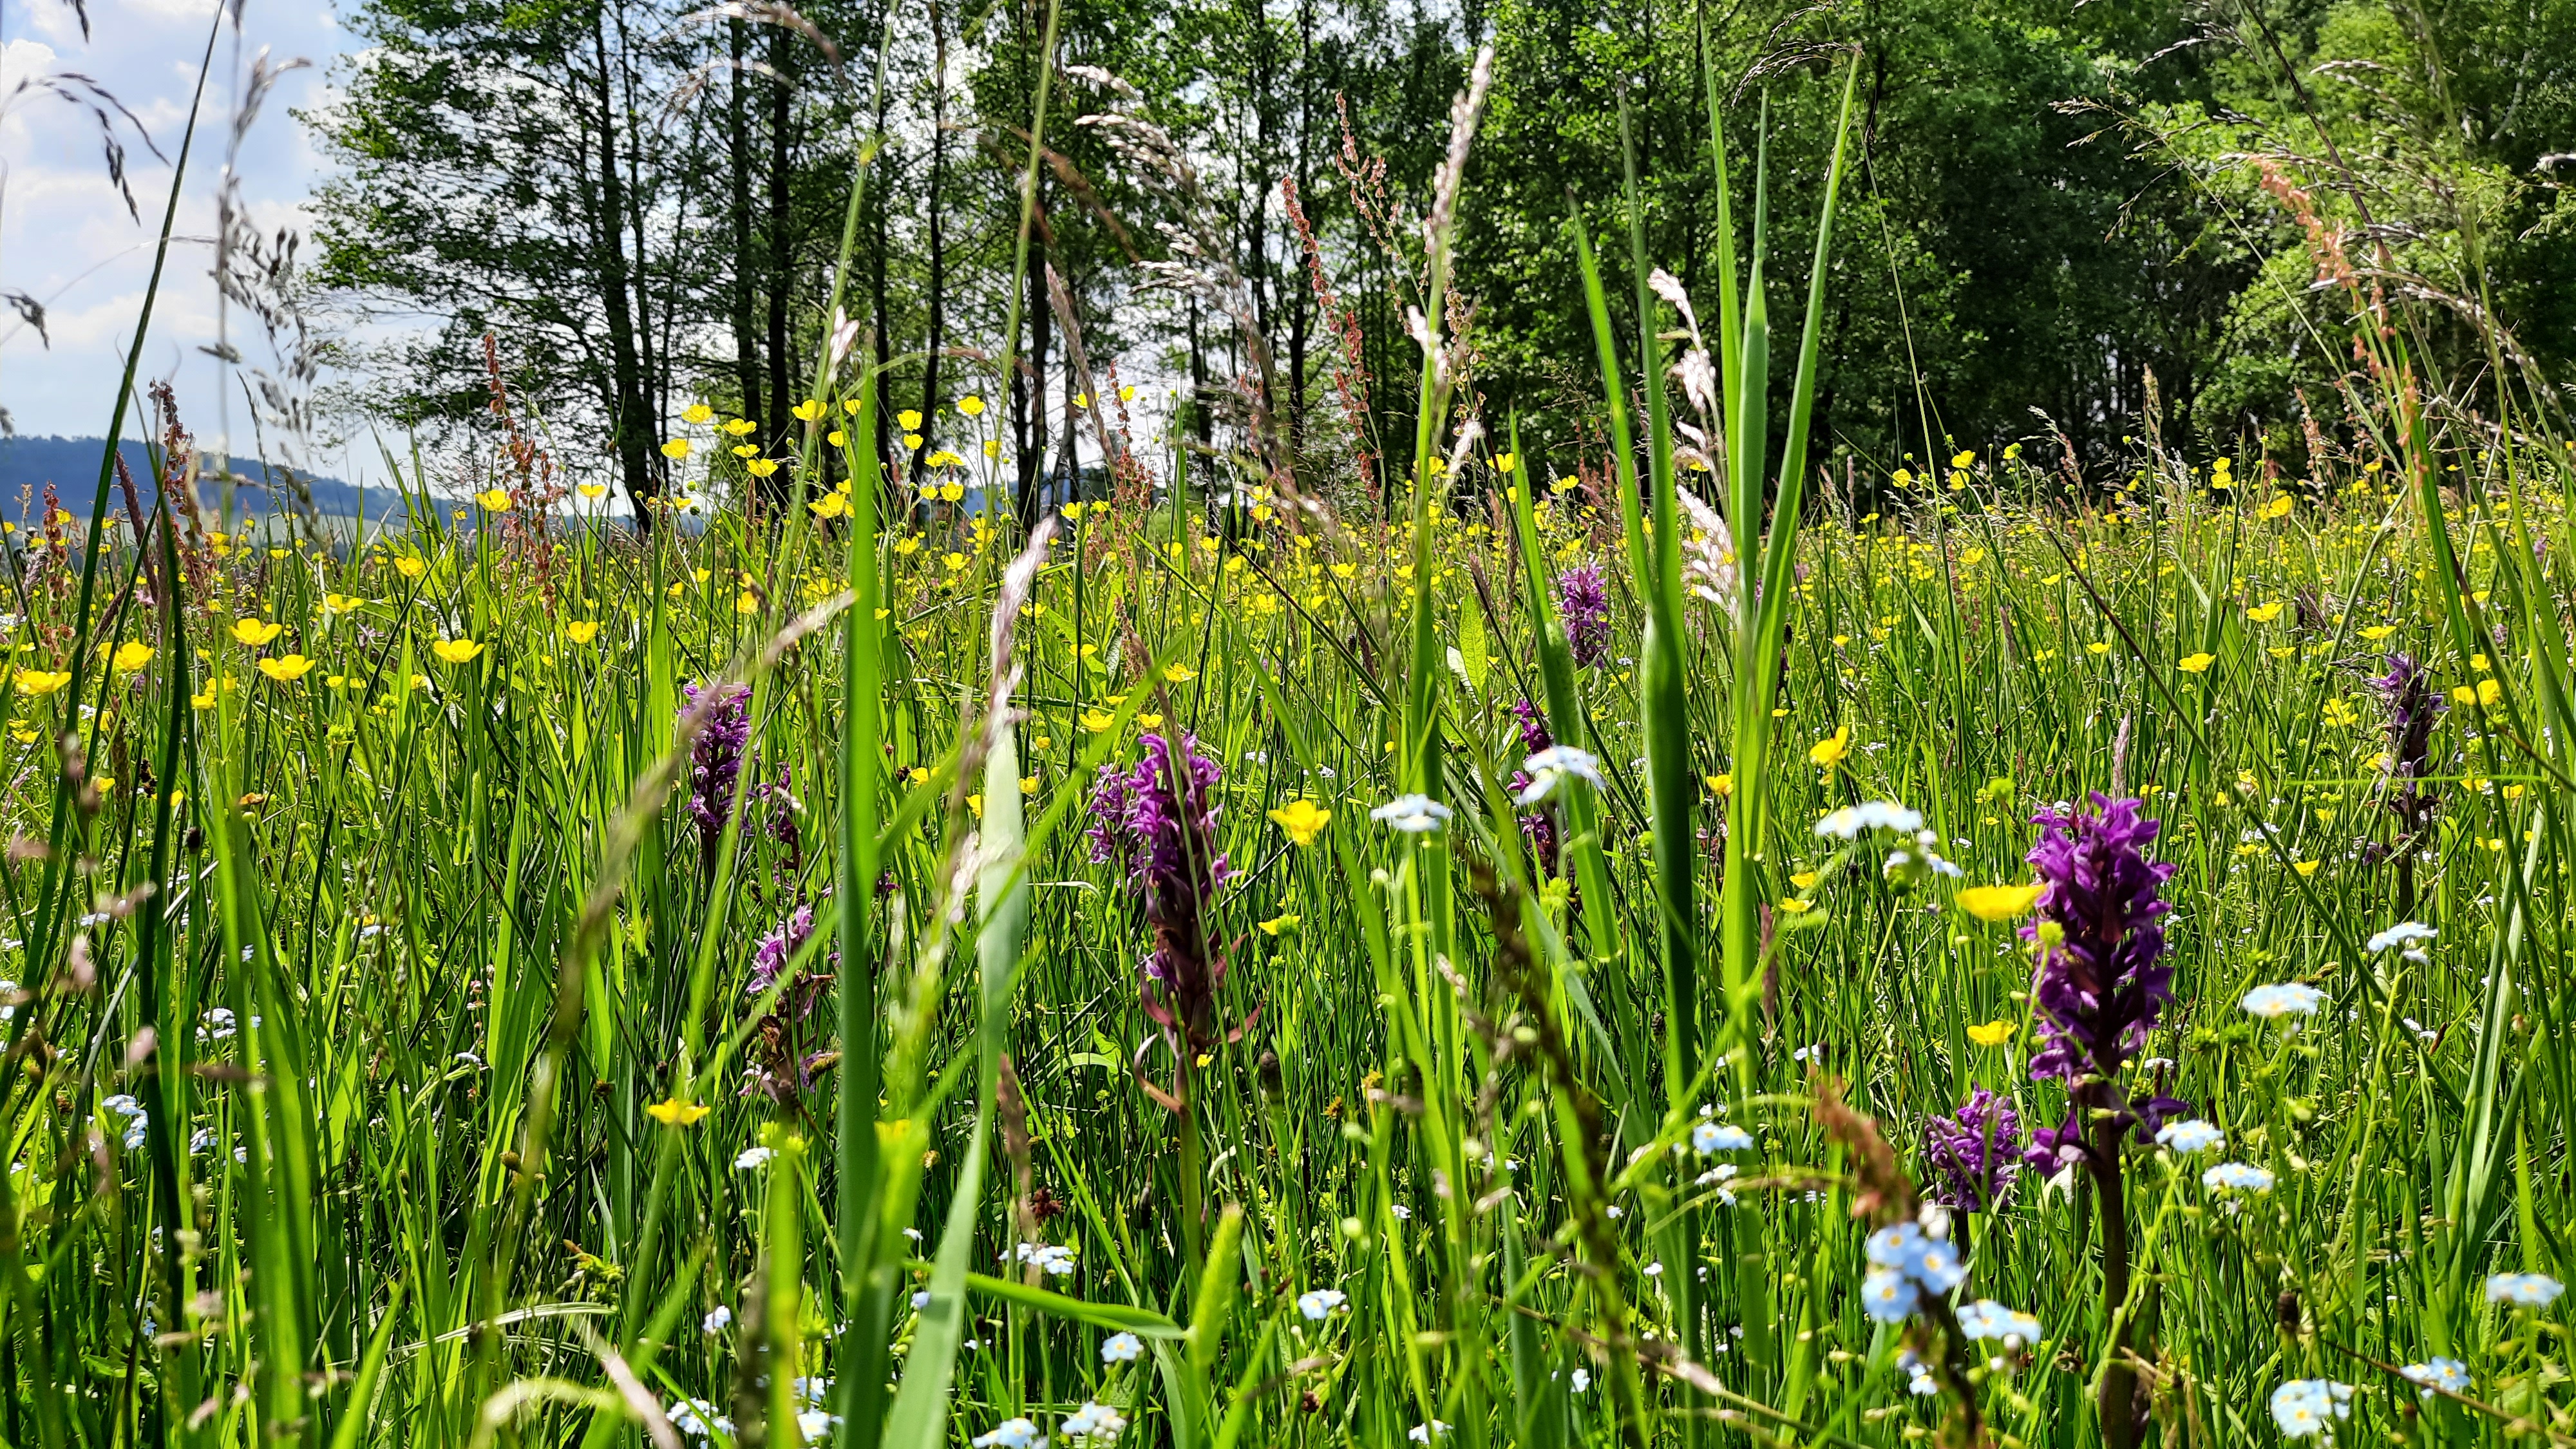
<point>27,464</point>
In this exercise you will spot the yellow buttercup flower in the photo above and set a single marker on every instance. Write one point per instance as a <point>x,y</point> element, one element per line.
<point>1095,720</point>
<point>676,449</point>
<point>1993,1033</point>
<point>1180,674</point>
<point>971,406</point>
<point>582,631</point>
<point>42,681</point>
<point>341,603</point>
<point>761,467</point>
<point>808,411</point>
<point>1797,906</point>
<point>494,500</point>
<point>676,1113</point>
<point>910,421</point>
<point>1826,753</point>
<point>1303,820</point>
<point>592,491</point>
<point>411,567</point>
<point>2265,613</point>
<point>255,633</point>
<point>837,438</point>
<point>1284,921</point>
<point>739,427</point>
<point>286,668</point>
<point>697,413</point>
<point>2195,663</point>
<point>2377,632</point>
<point>1998,903</point>
<point>830,505</point>
<point>456,651</point>
<point>131,655</point>
<point>1719,785</point>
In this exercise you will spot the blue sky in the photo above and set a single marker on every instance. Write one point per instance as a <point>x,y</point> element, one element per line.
<point>65,237</point>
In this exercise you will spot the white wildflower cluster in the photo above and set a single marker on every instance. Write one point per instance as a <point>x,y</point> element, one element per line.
<point>1914,859</point>
<point>1904,1264</point>
<point>2235,1182</point>
<point>1011,1434</point>
<point>1055,1259</point>
<point>1553,765</point>
<point>2310,1406</point>
<point>2286,998</point>
<point>1412,814</point>
<point>698,1419</point>
<point>1320,1303</point>
<point>130,1116</point>
<point>2524,1290</point>
<point>1848,822</point>
<point>1986,1320</point>
<point>1711,1137</point>
<point>2405,938</point>
<point>2190,1136</point>
<point>2448,1375</point>
<point>1094,1422</point>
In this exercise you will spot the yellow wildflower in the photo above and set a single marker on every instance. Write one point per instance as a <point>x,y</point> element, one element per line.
<point>676,1113</point>
<point>1998,903</point>
<point>1303,820</point>
<point>1826,753</point>
<point>1992,1033</point>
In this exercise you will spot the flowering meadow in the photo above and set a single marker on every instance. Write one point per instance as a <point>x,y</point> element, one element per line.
<point>1629,944</point>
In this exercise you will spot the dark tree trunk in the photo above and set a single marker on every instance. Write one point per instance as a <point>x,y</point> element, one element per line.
<point>782,254</point>
<point>628,414</point>
<point>938,248</point>
<point>746,344</point>
<point>1029,394</point>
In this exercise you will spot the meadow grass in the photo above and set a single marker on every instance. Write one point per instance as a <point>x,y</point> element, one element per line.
<point>1526,964</point>
<point>382,943</point>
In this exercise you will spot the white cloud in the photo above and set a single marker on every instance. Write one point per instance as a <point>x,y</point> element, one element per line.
<point>65,236</point>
